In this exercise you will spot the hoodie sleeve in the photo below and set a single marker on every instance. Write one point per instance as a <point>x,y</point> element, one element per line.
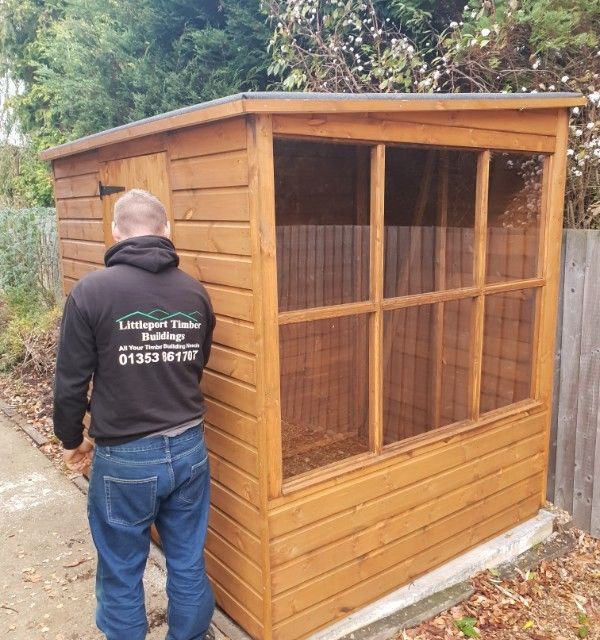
<point>75,364</point>
<point>206,346</point>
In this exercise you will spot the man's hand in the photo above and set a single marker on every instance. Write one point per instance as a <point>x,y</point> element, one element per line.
<point>79,459</point>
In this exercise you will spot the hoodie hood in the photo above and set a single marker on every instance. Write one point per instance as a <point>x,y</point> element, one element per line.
<point>151,253</point>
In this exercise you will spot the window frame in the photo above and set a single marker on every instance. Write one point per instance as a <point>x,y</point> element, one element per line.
<point>377,304</point>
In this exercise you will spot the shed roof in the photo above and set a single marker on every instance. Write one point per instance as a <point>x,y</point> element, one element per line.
<point>299,102</point>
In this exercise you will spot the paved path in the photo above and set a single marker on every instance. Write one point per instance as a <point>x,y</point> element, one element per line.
<point>46,555</point>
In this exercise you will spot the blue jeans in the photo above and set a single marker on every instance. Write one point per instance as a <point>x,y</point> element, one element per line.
<point>165,481</point>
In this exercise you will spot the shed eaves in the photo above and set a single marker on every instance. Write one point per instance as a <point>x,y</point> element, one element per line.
<point>300,102</point>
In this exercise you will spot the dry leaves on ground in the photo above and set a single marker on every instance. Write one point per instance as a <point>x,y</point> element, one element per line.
<point>559,600</point>
<point>31,397</point>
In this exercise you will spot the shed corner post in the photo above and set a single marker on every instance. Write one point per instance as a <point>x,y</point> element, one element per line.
<point>58,231</point>
<point>548,306</point>
<point>266,331</point>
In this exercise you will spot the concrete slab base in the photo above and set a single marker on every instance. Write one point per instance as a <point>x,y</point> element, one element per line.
<point>413,615</point>
<point>497,551</point>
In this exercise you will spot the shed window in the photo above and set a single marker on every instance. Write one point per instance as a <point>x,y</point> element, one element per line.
<point>426,364</point>
<point>507,348</point>
<point>514,206</point>
<point>407,299</point>
<point>324,391</point>
<point>429,220</point>
<point>322,218</point>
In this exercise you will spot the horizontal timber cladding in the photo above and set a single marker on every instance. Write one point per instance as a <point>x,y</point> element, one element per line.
<point>229,169</point>
<point>390,128</point>
<point>229,475</point>
<point>83,250</point>
<point>532,121</point>
<point>239,602</point>
<point>79,213</point>
<point>232,271</point>
<point>385,556</point>
<point>205,140</point>
<point>228,301</point>
<point>232,421</point>
<point>288,515</point>
<point>233,542</point>
<point>225,204</point>
<point>77,165</point>
<point>233,363</point>
<point>68,284</point>
<point>81,230</point>
<point>419,562</point>
<point>336,549</point>
<point>84,186</point>
<point>89,208</point>
<point>213,237</point>
<point>76,270</point>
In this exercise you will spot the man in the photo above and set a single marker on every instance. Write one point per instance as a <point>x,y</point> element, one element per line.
<point>141,330</point>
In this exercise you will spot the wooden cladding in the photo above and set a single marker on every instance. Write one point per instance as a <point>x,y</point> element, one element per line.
<point>228,169</point>
<point>380,128</point>
<point>229,135</point>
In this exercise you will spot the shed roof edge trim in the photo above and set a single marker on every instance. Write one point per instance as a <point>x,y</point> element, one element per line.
<point>265,101</point>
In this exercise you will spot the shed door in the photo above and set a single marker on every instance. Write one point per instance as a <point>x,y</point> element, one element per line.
<point>147,172</point>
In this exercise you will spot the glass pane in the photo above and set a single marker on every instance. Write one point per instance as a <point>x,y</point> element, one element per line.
<point>322,193</point>
<point>514,205</point>
<point>429,219</point>
<point>324,392</point>
<point>426,359</point>
<point>507,348</point>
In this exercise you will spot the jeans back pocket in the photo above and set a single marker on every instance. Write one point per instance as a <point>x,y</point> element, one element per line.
<point>130,501</point>
<point>193,489</point>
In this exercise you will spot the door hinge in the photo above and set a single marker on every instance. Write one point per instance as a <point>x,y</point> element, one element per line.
<point>106,190</point>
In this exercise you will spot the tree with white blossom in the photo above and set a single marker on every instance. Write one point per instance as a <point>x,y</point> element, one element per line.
<point>525,46</point>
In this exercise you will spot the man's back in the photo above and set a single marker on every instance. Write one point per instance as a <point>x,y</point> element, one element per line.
<point>152,326</point>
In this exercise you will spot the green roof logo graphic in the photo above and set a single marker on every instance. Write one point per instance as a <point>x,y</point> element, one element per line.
<point>160,315</point>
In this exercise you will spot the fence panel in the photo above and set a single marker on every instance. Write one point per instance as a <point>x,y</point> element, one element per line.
<point>574,469</point>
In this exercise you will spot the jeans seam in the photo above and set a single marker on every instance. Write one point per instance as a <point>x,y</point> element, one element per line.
<point>112,459</point>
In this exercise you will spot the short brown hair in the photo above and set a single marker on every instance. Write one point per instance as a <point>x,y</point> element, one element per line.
<point>138,212</point>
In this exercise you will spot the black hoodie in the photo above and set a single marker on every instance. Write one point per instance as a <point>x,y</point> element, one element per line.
<point>143,330</point>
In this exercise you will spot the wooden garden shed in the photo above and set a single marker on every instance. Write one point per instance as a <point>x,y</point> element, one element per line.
<point>384,270</point>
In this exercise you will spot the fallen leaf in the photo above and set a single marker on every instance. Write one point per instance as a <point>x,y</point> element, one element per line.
<point>528,625</point>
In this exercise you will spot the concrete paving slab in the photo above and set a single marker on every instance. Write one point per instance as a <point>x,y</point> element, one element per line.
<point>47,560</point>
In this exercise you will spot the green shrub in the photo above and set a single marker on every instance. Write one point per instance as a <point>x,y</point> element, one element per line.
<point>28,333</point>
<point>30,290</point>
<point>29,256</point>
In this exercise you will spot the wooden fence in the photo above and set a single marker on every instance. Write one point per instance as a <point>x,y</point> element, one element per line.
<point>574,471</point>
